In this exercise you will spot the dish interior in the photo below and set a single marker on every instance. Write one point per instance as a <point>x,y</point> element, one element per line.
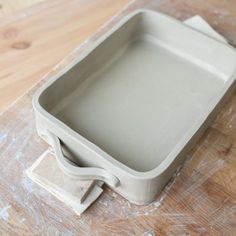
<point>137,101</point>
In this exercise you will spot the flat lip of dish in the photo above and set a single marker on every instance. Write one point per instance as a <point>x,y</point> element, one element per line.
<point>158,170</point>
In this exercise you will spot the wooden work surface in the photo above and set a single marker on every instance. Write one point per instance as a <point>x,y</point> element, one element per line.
<point>8,7</point>
<point>199,200</point>
<point>34,40</point>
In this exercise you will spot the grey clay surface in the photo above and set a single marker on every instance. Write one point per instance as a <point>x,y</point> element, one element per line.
<point>136,101</point>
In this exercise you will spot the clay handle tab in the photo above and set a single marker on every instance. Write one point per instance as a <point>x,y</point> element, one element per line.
<point>81,173</point>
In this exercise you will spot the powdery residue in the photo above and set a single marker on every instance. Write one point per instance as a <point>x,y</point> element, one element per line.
<point>149,233</point>
<point>3,138</point>
<point>4,215</point>
<point>44,214</point>
<point>27,184</point>
<point>211,168</point>
<point>122,208</point>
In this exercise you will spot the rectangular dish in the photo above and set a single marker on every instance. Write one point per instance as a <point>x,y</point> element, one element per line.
<point>129,108</point>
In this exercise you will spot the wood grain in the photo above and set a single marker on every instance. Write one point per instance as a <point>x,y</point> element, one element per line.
<point>34,40</point>
<point>199,200</point>
<point>8,7</point>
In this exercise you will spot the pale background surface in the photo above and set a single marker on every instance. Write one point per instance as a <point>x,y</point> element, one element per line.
<point>11,6</point>
<point>36,38</point>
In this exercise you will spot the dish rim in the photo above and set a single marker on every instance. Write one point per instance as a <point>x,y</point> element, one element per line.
<point>166,162</point>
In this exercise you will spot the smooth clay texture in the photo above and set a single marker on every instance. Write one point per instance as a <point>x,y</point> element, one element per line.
<point>136,108</point>
<point>138,99</point>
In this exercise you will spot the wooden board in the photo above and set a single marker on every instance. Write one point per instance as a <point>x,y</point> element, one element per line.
<point>11,6</point>
<point>34,40</point>
<point>200,199</point>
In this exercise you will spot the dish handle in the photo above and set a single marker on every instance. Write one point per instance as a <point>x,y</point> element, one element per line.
<point>82,173</point>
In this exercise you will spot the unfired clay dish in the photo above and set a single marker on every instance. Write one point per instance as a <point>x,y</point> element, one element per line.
<point>134,103</point>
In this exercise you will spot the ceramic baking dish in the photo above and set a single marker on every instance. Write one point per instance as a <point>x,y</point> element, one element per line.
<point>130,107</point>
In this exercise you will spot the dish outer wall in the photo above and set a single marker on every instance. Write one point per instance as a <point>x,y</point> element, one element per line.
<point>138,187</point>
